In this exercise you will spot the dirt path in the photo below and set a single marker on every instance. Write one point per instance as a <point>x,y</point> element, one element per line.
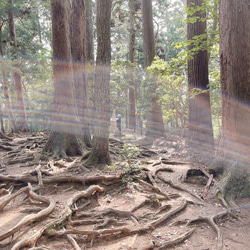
<point>140,202</point>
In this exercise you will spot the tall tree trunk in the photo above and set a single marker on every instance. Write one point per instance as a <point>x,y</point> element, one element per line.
<point>234,25</point>
<point>90,52</point>
<point>7,100</point>
<point>100,150</point>
<point>62,141</point>
<point>6,91</point>
<point>79,59</point>
<point>21,121</point>
<point>200,130</point>
<point>21,124</point>
<point>11,23</point>
<point>132,120</point>
<point>89,31</point>
<point>235,77</point>
<point>155,125</point>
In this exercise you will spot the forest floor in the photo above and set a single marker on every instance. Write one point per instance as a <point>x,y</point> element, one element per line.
<point>156,195</point>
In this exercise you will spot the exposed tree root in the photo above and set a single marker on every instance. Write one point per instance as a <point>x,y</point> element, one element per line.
<point>155,209</point>
<point>73,242</point>
<point>92,234</point>
<point>211,221</point>
<point>173,162</point>
<point>55,179</point>
<point>207,186</point>
<point>3,136</point>
<point>6,148</point>
<point>155,189</point>
<point>157,222</point>
<point>66,213</point>
<point>173,185</point>
<point>162,169</point>
<point>178,240</point>
<point>40,248</point>
<point>32,217</point>
<point>7,198</point>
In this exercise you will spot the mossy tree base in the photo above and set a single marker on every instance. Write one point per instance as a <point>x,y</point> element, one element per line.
<point>61,144</point>
<point>234,182</point>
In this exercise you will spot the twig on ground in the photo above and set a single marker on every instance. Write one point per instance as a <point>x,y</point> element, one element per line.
<point>207,186</point>
<point>206,173</point>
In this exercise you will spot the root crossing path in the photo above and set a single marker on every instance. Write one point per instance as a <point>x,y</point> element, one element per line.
<point>144,202</point>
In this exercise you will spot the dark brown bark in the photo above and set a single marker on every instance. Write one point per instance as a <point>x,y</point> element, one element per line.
<point>132,120</point>
<point>12,24</point>
<point>65,125</point>
<point>89,31</point>
<point>79,59</point>
<point>200,130</point>
<point>235,77</point>
<point>100,150</point>
<point>5,90</point>
<point>155,125</point>
<point>90,52</point>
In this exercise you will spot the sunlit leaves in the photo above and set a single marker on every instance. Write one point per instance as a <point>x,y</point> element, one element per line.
<point>172,89</point>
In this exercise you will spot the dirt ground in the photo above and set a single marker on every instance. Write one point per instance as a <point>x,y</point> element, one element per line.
<point>145,200</point>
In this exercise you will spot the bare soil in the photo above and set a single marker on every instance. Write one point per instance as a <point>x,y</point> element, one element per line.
<point>143,201</point>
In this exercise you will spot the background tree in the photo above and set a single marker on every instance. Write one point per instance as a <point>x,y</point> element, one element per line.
<point>21,124</point>
<point>79,59</point>
<point>155,126</point>
<point>63,140</point>
<point>100,149</point>
<point>132,120</point>
<point>32,57</point>
<point>200,130</point>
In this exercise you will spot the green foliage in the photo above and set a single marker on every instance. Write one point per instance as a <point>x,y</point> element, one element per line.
<point>32,55</point>
<point>210,42</point>
<point>172,89</point>
<point>130,153</point>
<point>119,85</point>
<point>169,27</point>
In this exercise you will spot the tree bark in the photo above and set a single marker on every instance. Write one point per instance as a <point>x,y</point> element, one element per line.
<point>155,125</point>
<point>200,130</point>
<point>89,31</point>
<point>79,59</point>
<point>21,123</point>
<point>132,120</point>
<point>235,77</point>
<point>62,141</point>
<point>100,150</point>
<point>7,101</point>
<point>90,53</point>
